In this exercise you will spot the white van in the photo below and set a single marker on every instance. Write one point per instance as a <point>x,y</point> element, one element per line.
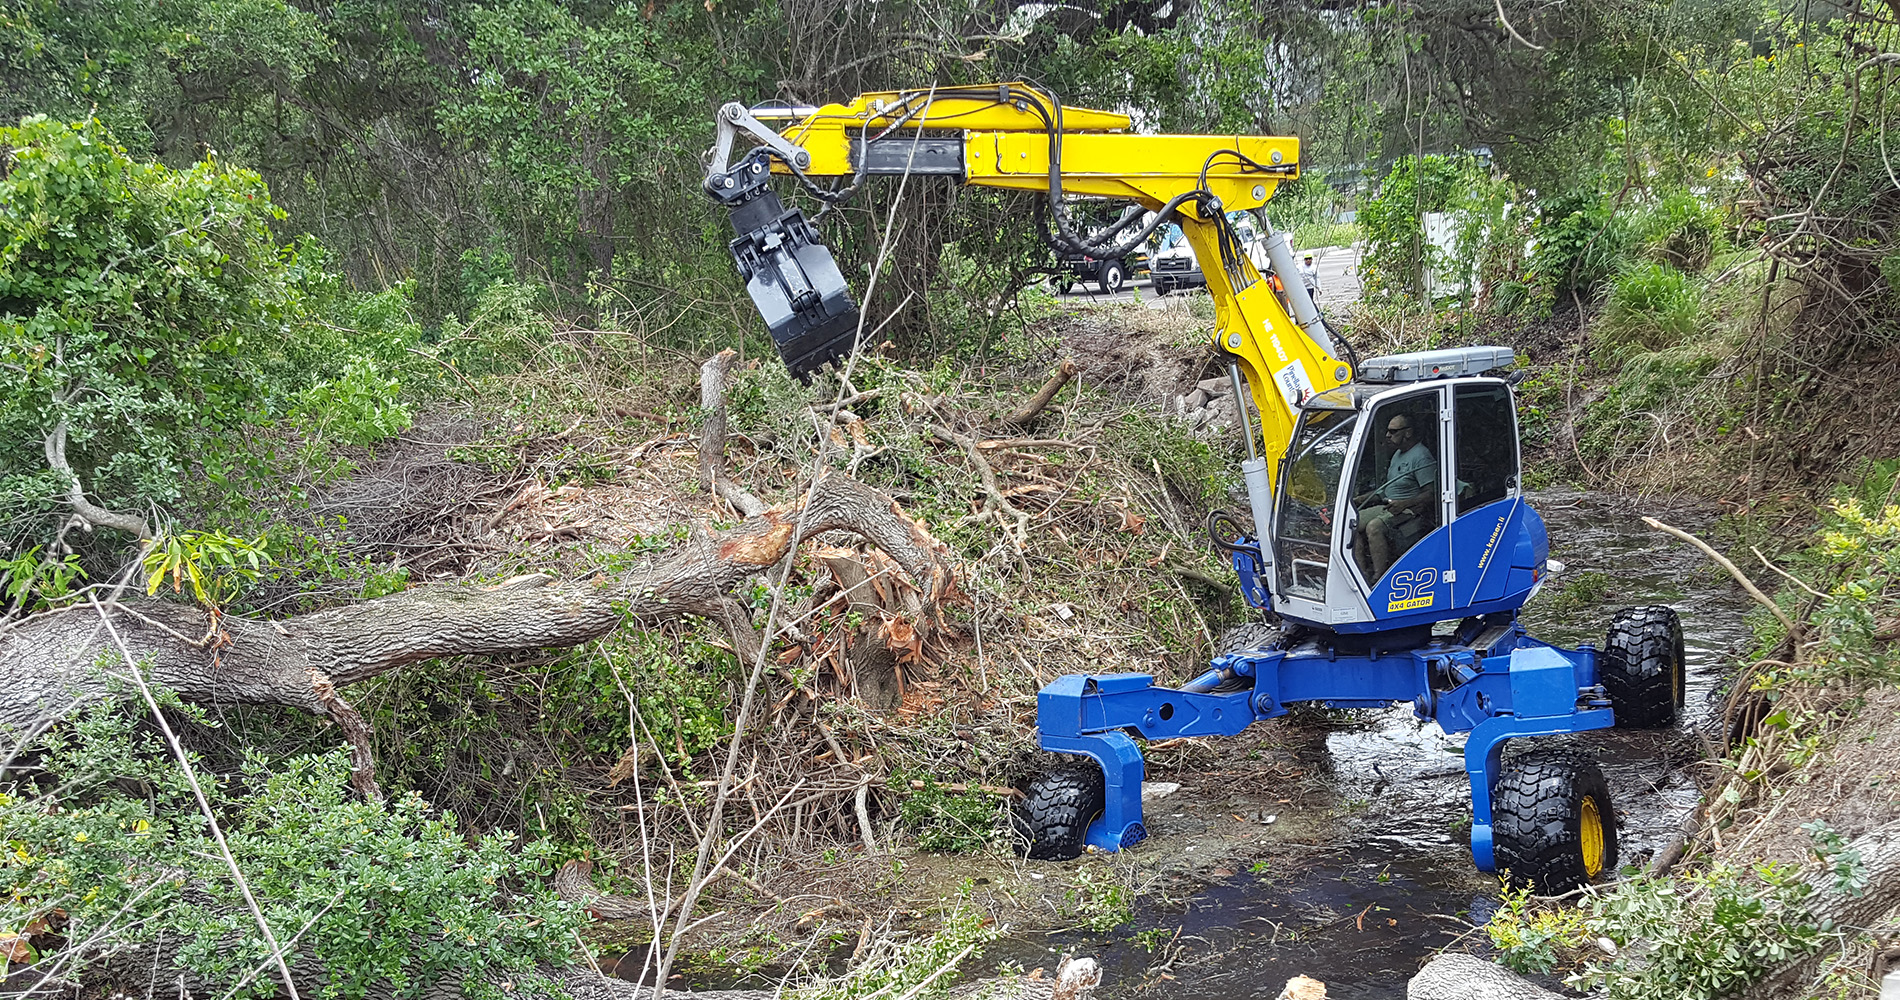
<point>1173,265</point>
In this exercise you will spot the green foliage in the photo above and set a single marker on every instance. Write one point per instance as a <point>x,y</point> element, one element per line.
<point>1532,938</point>
<point>154,314</point>
<point>1706,934</point>
<point>946,822</point>
<point>214,563</point>
<point>385,897</point>
<point>360,406</point>
<point>1860,548</point>
<point>1681,231</point>
<point>1581,242</point>
<point>1398,254</point>
<point>30,582</point>
<point>1100,900</point>
<point>1652,306</point>
<point>574,107</point>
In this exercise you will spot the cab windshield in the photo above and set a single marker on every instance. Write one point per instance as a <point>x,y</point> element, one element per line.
<point>1309,487</point>
<point>1172,237</point>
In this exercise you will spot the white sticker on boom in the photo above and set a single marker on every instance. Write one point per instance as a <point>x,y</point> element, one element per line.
<point>1294,385</point>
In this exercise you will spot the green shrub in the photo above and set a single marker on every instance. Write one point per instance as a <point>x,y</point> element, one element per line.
<point>383,897</point>
<point>1533,939</point>
<point>1651,307</point>
<point>155,315</point>
<point>1581,242</point>
<point>944,821</point>
<point>1704,934</point>
<point>1681,231</point>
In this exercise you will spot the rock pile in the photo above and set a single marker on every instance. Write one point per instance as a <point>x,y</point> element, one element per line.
<point>1209,406</point>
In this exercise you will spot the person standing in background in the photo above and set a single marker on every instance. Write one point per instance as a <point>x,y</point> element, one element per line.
<point>1309,276</point>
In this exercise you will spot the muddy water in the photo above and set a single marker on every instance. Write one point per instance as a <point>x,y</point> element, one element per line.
<point>1389,878</point>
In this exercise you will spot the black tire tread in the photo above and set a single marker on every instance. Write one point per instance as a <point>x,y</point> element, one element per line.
<point>1641,666</point>
<point>1051,820</point>
<point>1251,635</point>
<point>1535,813</point>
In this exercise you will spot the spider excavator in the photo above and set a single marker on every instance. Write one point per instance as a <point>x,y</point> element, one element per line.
<point>1388,534</point>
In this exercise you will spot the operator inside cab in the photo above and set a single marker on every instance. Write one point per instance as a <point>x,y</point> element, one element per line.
<point>1396,512</point>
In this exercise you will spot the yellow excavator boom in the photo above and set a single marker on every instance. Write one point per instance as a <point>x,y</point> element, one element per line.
<point>1015,136</point>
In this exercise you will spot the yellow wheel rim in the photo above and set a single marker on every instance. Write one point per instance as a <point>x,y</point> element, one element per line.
<point>1591,834</point>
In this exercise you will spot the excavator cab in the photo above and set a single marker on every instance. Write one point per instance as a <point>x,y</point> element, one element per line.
<point>1399,502</point>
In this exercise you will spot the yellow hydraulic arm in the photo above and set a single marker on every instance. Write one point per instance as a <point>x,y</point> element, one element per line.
<point>1016,136</point>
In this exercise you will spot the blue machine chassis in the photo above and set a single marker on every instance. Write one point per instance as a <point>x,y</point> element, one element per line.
<point>1490,679</point>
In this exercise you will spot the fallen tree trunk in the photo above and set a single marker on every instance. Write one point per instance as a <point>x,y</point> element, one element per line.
<point>1879,896</point>
<point>54,663</point>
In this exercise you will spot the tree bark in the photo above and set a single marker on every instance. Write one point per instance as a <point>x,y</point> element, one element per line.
<point>1880,855</point>
<point>54,663</point>
<point>1041,400</point>
<point>1457,976</point>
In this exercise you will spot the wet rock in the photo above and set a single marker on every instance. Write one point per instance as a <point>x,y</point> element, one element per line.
<point>1457,976</point>
<point>1153,790</point>
<point>1303,988</point>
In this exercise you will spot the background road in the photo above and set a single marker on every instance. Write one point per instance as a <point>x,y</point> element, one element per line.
<point>1338,281</point>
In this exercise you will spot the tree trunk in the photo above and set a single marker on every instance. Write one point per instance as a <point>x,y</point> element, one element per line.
<point>53,663</point>
<point>1880,855</point>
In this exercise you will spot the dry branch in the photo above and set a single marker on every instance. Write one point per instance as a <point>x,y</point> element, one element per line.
<point>1041,400</point>
<point>1733,570</point>
<point>712,438</point>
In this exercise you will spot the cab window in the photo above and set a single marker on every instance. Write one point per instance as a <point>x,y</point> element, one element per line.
<point>1309,482</point>
<point>1486,447</point>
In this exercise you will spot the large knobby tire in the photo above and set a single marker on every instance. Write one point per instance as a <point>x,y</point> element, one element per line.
<point>1113,274</point>
<point>1553,826</point>
<point>1051,820</point>
<point>1249,635</point>
<point>1643,667</point>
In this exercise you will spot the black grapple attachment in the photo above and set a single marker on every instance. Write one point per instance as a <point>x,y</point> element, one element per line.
<point>787,269</point>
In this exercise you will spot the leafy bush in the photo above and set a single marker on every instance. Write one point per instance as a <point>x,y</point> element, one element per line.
<point>1681,231</point>
<point>1532,939</point>
<point>1581,242</point>
<point>154,315</point>
<point>1651,306</point>
<point>106,849</point>
<point>1857,561</point>
<point>1398,256</point>
<point>944,821</point>
<point>1705,934</point>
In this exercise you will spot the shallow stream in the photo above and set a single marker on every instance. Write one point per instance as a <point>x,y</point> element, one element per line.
<point>1391,881</point>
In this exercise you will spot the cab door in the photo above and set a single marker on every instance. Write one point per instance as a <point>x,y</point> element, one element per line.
<point>1394,538</point>
<point>1487,501</point>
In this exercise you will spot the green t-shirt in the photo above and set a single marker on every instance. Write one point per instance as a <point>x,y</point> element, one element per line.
<point>1412,470</point>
